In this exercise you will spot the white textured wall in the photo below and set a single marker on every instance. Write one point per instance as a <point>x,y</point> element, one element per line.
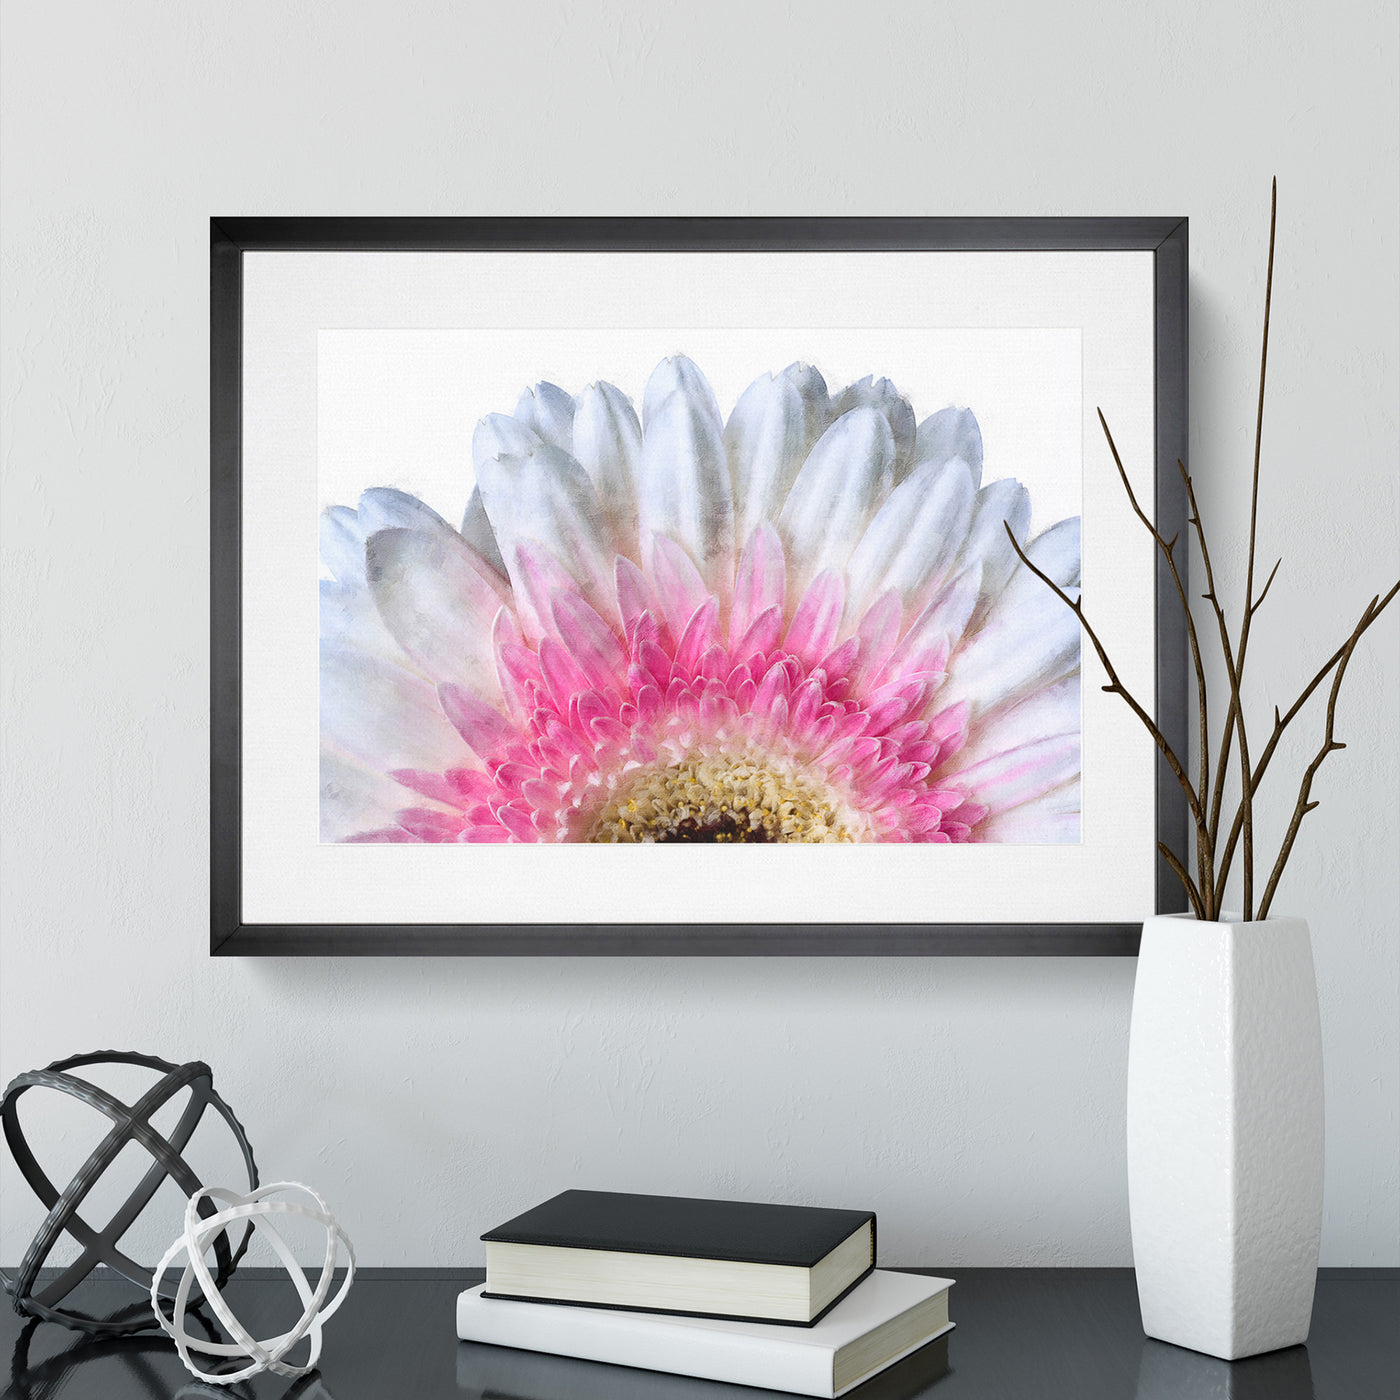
<point>977,1105</point>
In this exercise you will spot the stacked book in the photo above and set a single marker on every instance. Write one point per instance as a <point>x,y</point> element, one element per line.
<point>783,1297</point>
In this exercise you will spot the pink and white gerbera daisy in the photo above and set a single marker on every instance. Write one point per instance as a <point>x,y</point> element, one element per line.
<point>803,624</point>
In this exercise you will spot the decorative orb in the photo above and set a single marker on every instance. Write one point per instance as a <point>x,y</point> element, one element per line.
<point>130,1123</point>
<point>257,1209</point>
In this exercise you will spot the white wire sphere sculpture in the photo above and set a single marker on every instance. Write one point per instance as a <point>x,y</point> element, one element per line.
<point>257,1208</point>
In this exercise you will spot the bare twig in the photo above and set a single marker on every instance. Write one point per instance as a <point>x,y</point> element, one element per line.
<point>1193,894</point>
<point>1282,722</point>
<point>1259,601</point>
<point>1212,824</point>
<point>1329,745</point>
<point>1205,856</point>
<point>1116,687</point>
<point>1206,802</point>
<point>1250,607</point>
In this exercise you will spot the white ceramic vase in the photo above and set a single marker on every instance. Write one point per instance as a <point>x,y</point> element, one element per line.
<point>1225,1133</point>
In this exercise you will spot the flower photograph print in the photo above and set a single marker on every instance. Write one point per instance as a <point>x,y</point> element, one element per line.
<point>654,587</point>
<point>793,618</point>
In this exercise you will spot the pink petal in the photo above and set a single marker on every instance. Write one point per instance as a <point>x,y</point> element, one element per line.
<point>813,630</point>
<point>759,583</point>
<point>805,703</point>
<point>485,729</point>
<point>428,825</point>
<point>718,711</point>
<point>584,708</point>
<point>636,598</point>
<point>761,636</point>
<point>434,785</point>
<point>648,703</point>
<point>714,664</point>
<point>775,684</point>
<point>470,784</point>
<point>518,823</point>
<point>489,835</point>
<point>518,671</point>
<point>678,582</point>
<point>591,642</point>
<point>878,632</point>
<point>541,795</point>
<point>698,636</point>
<point>655,662</point>
<point>538,576</point>
<point>561,673</point>
<point>608,731</point>
<point>837,665</point>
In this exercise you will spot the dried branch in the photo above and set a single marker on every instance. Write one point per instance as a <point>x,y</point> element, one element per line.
<point>1206,803</point>
<point>1282,722</point>
<point>1116,687</point>
<point>1226,646</point>
<point>1236,714</point>
<point>1232,717</point>
<point>1197,901</point>
<point>1329,745</point>
<point>1205,856</point>
<point>1259,601</point>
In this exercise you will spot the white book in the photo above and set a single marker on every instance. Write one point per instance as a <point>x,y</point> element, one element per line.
<point>879,1323</point>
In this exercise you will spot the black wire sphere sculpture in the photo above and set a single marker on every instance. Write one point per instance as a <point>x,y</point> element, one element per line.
<point>40,1298</point>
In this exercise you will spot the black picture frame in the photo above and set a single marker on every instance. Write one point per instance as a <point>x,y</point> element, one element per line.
<point>230,238</point>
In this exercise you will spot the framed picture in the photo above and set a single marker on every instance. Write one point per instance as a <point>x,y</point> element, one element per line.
<point>651,586</point>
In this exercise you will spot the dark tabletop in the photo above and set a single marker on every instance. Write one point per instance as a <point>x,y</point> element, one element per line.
<point>1021,1334</point>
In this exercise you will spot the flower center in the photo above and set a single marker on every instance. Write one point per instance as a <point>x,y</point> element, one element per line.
<point>727,798</point>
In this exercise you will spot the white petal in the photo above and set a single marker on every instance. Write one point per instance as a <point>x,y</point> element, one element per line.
<point>1013,653</point>
<point>1054,552</point>
<point>684,491</point>
<point>1017,776</point>
<point>945,620</point>
<point>882,396</point>
<point>842,482</point>
<point>1053,819</point>
<point>545,496</point>
<point>348,615</point>
<point>816,402</point>
<point>1029,638</point>
<point>608,446</point>
<point>1048,713</point>
<point>343,544</point>
<point>679,374</point>
<point>915,536</point>
<point>549,413</point>
<point>383,715</point>
<point>949,433</point>
<point>767,439</point>
<point>384,508</point>
<point>355,799</point>
<point>433,593</point>
<point>1002,502</point>
<point>500,435</point>
<point>477,531</point>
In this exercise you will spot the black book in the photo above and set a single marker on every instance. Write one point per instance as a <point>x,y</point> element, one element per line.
<point>673,1254</point>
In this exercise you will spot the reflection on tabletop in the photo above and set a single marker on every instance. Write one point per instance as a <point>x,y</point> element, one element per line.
<point>1173,1373</point>
<point>145,1367</point>
<point>503,1373</point>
